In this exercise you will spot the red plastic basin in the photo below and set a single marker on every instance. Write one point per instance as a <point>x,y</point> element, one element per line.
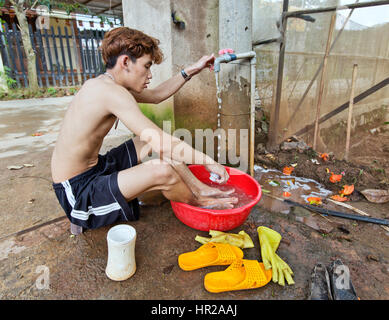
<point>221,220</point>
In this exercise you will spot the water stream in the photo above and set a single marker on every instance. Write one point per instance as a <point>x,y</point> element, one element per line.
<point>219,102</point>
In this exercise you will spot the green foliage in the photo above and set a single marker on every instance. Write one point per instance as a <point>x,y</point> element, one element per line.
<point>68,7</point>
<point>53,4</point>
<point>72,91</point>
<point>11,83</point>
<point>26,93</point>
<point>156,116</point>
<point>51,91</point>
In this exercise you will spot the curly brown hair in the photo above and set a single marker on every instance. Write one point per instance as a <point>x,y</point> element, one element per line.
<point>131,42</point>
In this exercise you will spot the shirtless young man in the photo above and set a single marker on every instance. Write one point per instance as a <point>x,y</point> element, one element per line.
<point>97,190</point>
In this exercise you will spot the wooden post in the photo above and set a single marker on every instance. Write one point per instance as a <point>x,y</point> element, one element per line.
<point>350,111</point>
<point>76,50</point>
<point>12,54</point>
<point>275,116</point>
<point>38,35</point>
<point>58,74</point>
<point>69,55</point>
<point>38,69</point>
<point>316,132</point>
<point>18,41</point>
<point>65,70</point>
<point>49,55</point>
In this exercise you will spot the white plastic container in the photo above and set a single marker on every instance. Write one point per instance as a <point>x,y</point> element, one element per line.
<point>121,252</point>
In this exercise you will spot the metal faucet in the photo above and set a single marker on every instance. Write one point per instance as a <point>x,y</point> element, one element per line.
<point>227,57</point>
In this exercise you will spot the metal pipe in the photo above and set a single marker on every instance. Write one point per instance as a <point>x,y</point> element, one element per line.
<point>339,214</point>
<point>227,57</point>
<point>245,55</point>
<point>260,42</point>
<point>253,65</point>
<point>329,212</point>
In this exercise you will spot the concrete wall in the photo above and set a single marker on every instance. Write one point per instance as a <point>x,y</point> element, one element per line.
<point>153,18</point>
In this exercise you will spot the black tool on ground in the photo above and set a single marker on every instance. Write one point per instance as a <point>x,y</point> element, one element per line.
<point>339,214</point>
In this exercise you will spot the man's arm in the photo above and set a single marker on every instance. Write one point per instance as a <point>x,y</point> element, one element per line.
<point>124,106</point>
<point>169,87</point>
<point>172,149</point>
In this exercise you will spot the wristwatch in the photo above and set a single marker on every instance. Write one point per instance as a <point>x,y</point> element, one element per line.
<point>185,75</point>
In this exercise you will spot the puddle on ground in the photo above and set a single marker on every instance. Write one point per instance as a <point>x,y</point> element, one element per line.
<point>274,182</point>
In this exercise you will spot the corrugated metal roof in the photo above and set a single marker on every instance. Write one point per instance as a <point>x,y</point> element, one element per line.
<point>104,7</point>
<point>96,7</point>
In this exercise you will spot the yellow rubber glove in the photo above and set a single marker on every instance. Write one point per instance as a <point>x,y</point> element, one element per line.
<point>269,241</point>
<point>241,240</point>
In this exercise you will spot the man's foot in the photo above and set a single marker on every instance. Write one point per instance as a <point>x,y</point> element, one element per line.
<point>216,203</point>
<point>207,191</point>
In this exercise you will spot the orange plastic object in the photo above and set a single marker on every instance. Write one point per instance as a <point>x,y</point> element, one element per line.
<point>347,190</point>
<point>314,200</point>
<point>287,170</point>
<point>324,156</point>
<point>240,275</point>
<point>286,194</point>
<point>209,254</point>
<point>335,177</point>
<point>339,198</point>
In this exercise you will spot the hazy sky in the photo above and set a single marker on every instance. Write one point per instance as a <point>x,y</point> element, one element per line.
<point>368,16</point>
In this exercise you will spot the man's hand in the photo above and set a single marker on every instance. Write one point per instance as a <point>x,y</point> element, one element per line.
<point>219,170</point>
<point>204,62</point>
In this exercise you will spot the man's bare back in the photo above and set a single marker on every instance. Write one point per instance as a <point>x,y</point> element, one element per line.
<point>86,123</point>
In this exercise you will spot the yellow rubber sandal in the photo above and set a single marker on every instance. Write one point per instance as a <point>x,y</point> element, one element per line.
<point>209,254</point>
<point>241,274</point>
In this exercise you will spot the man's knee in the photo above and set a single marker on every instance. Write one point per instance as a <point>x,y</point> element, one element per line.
<point>144,151</point>
<point>164,173</point>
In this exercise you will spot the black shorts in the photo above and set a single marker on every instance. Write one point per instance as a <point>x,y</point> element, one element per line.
<point>92,199</point>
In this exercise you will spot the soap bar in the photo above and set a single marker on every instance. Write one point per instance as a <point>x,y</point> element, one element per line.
<point>214,177</point>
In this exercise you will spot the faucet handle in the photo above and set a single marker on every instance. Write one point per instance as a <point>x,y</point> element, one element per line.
<point>224,51</point>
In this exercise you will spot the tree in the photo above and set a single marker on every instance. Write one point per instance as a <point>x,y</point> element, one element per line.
<point>20,13</point>
<point>21,7</point>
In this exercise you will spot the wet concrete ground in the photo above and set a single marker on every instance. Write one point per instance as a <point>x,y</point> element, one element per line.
<point>40,259</point>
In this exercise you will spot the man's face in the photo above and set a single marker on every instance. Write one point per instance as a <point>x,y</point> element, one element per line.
<point>139,73</point>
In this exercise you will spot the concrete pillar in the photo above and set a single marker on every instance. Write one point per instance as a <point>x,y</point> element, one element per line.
<point>235,32</point>
<point>154,18</point>
<point>195,105</point>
